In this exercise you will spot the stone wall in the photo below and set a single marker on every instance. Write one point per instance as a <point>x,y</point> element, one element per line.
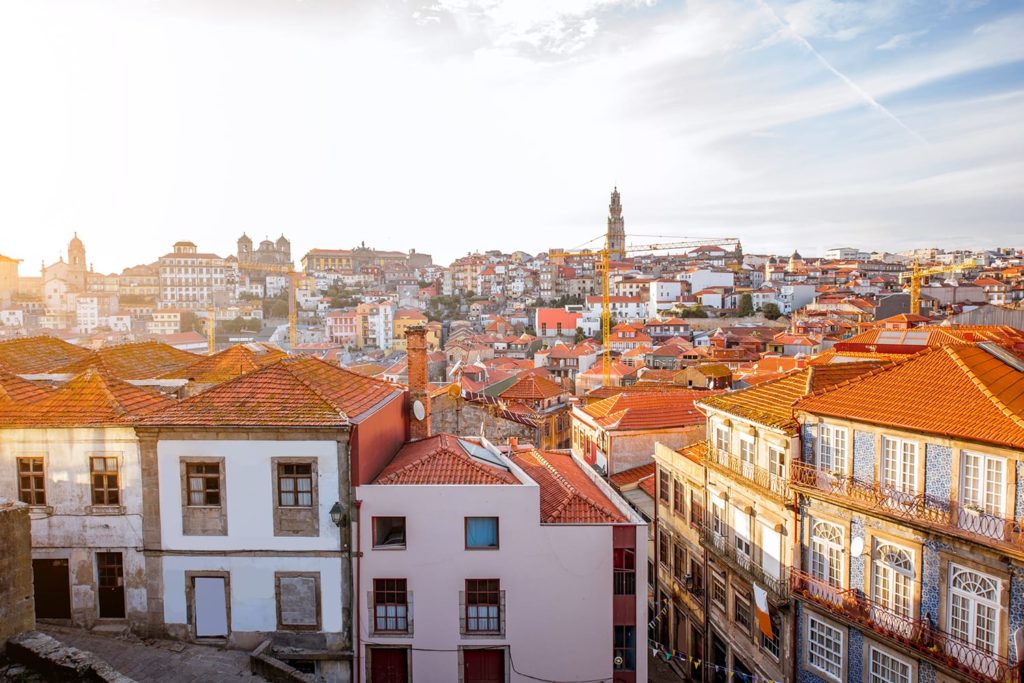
<point>463,418</point>
<point>17,606</point>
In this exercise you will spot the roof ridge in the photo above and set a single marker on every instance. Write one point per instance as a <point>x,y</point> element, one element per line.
<point>105,388</point>
<point>884,367</point>
<point>953,352</point>
<point>319,394</point>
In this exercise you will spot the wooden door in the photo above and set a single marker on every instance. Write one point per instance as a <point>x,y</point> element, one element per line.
<point>483,666</point>
<point>110,568</point>
<point>389,665</point>
<point>52,589</point>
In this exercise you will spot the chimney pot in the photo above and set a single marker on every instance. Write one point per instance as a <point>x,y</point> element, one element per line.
<point>513,442</point>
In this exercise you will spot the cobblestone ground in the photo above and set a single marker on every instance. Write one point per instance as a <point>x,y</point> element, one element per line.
<point>149,661</point>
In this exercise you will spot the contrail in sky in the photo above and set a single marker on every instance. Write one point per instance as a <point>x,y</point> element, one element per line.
<point>863,94</point>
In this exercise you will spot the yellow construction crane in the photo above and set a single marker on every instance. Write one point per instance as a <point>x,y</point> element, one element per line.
<point>293,312</point>
<point>917,274</point>
<point>603,256</point>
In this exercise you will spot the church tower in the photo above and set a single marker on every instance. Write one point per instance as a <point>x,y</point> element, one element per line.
<point>76,264</point>
<point>616,239</point>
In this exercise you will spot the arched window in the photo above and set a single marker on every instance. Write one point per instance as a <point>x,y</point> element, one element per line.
<point>893,578</point>
<point>827,552</point>
<point>973,608</point>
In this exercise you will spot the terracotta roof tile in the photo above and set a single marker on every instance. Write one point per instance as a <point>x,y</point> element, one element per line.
<point>91,398</point>
<point>567,494</point>
<point>142,360</point>
<point>960,391</point>
<point>632,476</point>
<point>647,410</point>
<point>14,389</point>
<point>299,391</point>
<point>532,388</point>
<point>32,355</point>
<point>232,362</point>
<point>442,459</point>
<point>771,403</point>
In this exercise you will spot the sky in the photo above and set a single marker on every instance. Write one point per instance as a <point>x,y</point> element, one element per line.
<point>450,126</point>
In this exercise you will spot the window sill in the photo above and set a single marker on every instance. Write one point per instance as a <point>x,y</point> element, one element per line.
<point>391,634</point>
<point>39,511</point>
<point>482,548</point>
<point>104,510</point>
<point>389,547</point>
<point>482,635</point>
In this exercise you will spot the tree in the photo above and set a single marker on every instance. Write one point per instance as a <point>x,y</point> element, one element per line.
<point>580,335</point>
<point>746,306</point>
<point>189,322</point>
<point>694,312</point>
<point>771,311</point>
<point>279,309</point>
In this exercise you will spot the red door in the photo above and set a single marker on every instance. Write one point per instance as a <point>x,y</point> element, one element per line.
<point>483,666</point>
<point>388,665</point>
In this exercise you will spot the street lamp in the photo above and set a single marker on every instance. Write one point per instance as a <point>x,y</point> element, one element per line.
<point>340,520</point>
<point>336,513</point>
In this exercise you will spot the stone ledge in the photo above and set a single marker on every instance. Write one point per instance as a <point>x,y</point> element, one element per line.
<point>263,663</point>
<point>60,662</point>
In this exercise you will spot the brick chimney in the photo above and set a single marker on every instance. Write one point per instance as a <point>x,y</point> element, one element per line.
<point>416,357</point>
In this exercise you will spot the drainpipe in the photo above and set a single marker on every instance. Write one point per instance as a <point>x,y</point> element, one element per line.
<point>357,617</point>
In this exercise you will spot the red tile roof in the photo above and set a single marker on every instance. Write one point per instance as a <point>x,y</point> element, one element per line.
<point>142,360</point>
<point>532,388</point>
<point>958,391</point>
<point>89,399</point>
<point>910,341</point>
<point>299,391</point>
<point>14,389</point>
<point>647,410</point>
<point>632,476</point>
<point>567,494</point>
<point>771,403</point>
<point>227,364</point>
<point>32,355</point>
<point>441,459</point>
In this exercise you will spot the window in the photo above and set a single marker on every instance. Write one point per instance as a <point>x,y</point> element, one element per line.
<point>888,669</point>
<point>664,482</point>
<point>696,510</point>
<point>105,487</point>
<point>777,462</point>
<point>390,606</point>
<point>899,466</point>
<point>31,481</point>
<point>389,532</point>
<point>892,582</point>
<point>722,438</point>
<point>664,554</point>
<point>741,609</point>
<point>748,453</point>
<point>718,589</point>
<point>483,606</point>
<point>973,608</point>
<point>679,563</point>
<point>481,533</point>
<point>741,521</point>
<point>832,449</point>
<point>824,648</point>
<point>295,485</point>
<point>298,600</point>
<point>827,553</point>
<point>679,497</point>
<point>624,655</point>
<point>625,571</point>
<point>717,514</point>
<point>696,577</point>
<point>983,485</point>
<point>203,484</point>
<point>771,645</point>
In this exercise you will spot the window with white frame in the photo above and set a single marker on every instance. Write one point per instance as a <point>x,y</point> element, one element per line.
<point>827,552</point>
<point>777,462</point>
<point>722,438</point>
<point>824,648</point>
<point>886,668</point>
<point>717,516</point>
<point>741,529</point>
<point>892,578</point>
<point>899,465</point>
<point>973,607</point>
<point>832,448</point>
<point>983,482</point>
<point>748,453</point>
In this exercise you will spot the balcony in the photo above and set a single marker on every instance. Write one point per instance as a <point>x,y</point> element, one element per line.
<point>916,635</point>
<point>759,476</point>
<point>777,586</point>
<point>925,512</point>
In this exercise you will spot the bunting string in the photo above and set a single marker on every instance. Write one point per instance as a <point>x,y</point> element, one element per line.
<point>659,652</point>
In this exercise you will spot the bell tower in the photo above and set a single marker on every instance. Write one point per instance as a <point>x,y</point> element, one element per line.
<point>616,238</point>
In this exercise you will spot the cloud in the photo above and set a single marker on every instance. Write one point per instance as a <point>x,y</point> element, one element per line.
<point>901,40</point>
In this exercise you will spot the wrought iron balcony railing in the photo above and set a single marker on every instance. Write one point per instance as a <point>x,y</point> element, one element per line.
<point>922,510</point>
<point>759,476</point>
<point>777,586</point>
<point>918,635</point>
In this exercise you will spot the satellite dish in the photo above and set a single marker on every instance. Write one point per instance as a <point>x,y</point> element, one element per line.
<point>856,546</point>
<point>418,410</point>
